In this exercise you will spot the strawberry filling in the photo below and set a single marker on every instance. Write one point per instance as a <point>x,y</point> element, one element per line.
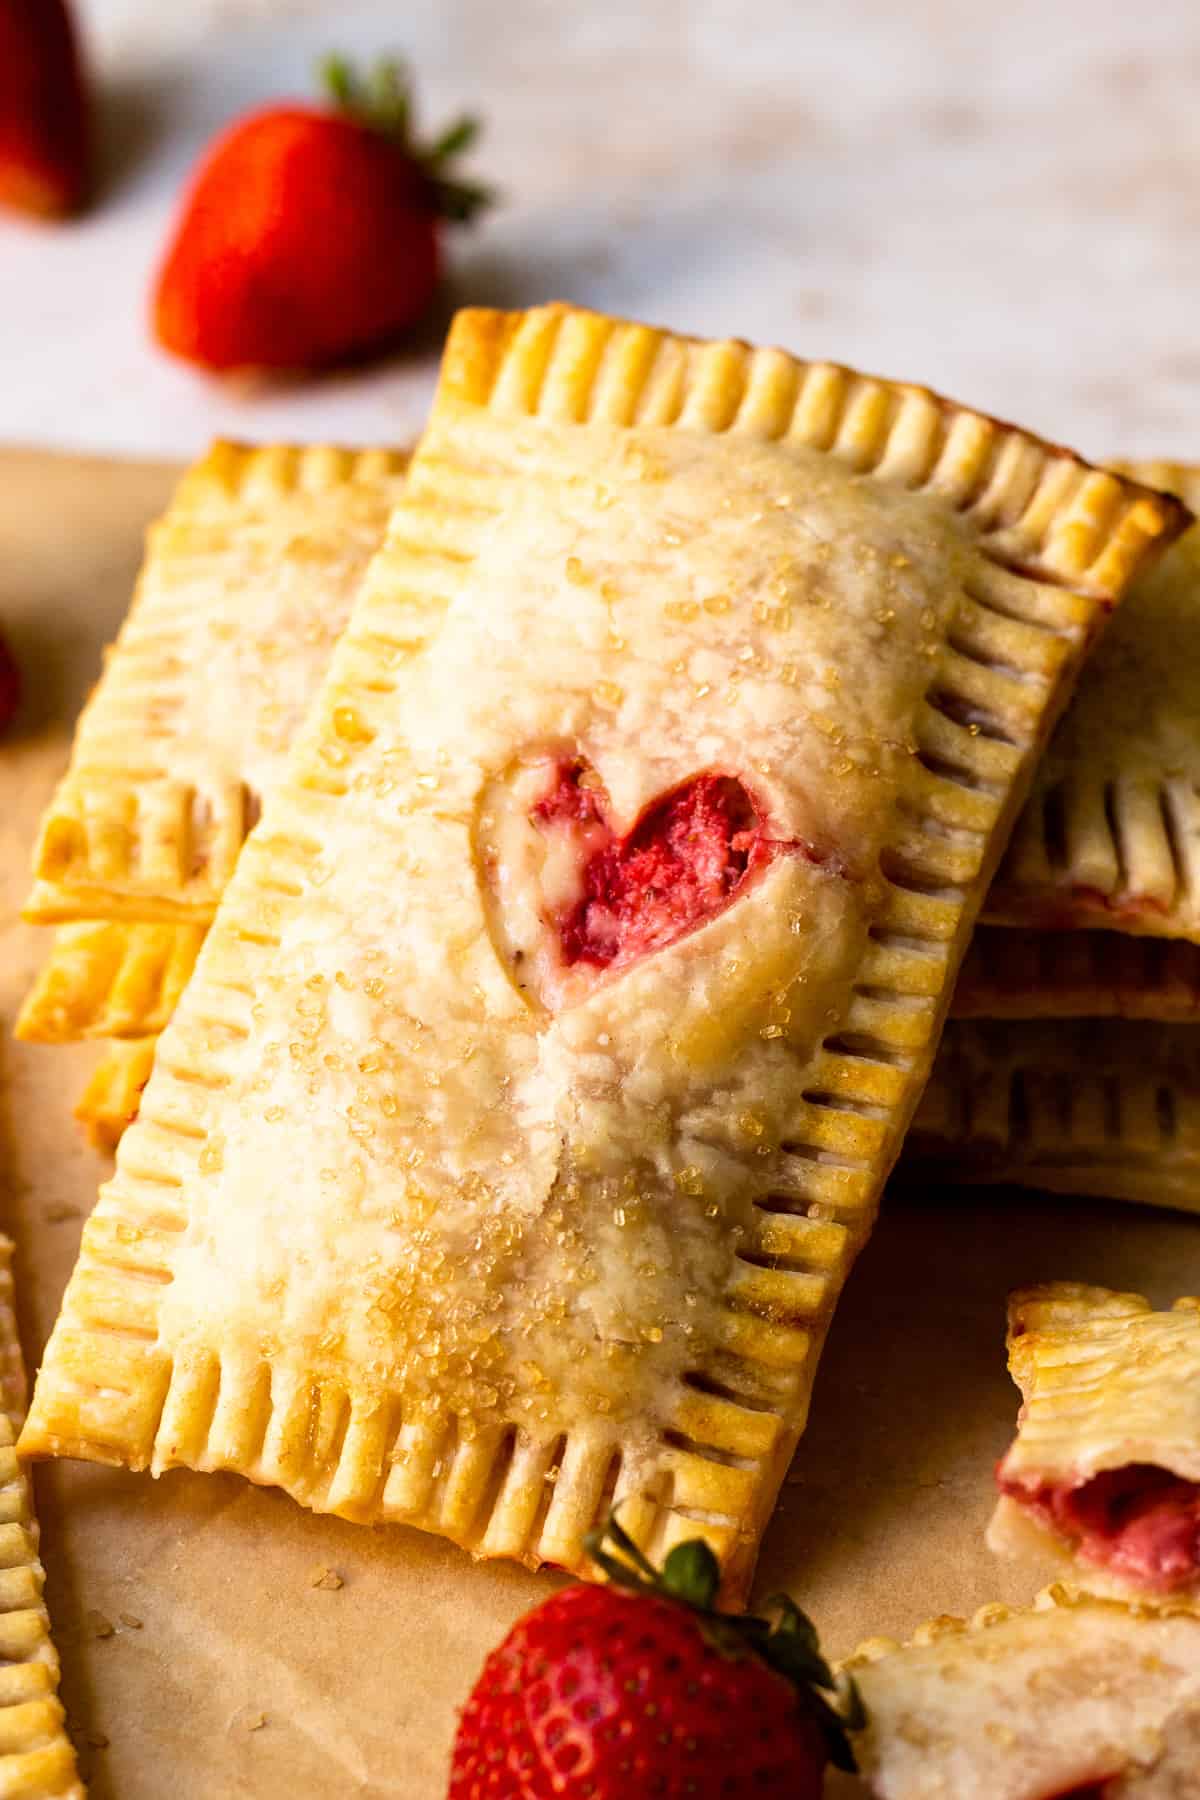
<point>686,859</point>
<point>1054,917</point>
<point>1139,1522</point>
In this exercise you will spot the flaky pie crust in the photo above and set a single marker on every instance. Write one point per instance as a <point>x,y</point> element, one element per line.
<point>37,1761</point>
<point>1029,974</point>
<point>1016,1705</point>
<point>1106,1381</point>
<point>112,1095</point>
<point>1111,834</point>
<point>109,979</point>
<point>247,582</point>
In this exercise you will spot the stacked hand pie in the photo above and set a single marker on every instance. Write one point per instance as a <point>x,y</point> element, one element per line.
<point>1094,918</point>
<point>525,888</point>
<point>247,583</point>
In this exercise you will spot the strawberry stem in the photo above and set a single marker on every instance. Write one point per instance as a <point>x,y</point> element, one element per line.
<point>788,1643</point>
<point>383,102</point>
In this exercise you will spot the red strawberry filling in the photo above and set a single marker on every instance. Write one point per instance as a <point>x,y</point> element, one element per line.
<point>686,859</point>
<point>1140,1522</point>
<point>1127,906</point>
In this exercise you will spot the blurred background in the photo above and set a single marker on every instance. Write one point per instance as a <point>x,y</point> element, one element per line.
<point>1003,202</point>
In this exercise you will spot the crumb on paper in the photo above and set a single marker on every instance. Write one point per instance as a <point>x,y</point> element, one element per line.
<point>96,1740</point>
<point>329,1579</point>
<point>98,1626</point>
<point>58,1211</point>
<point>256,1721</point>
<point>130,1621</point>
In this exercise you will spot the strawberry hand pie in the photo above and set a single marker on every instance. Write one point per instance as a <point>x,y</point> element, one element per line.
<point>536,1085</point>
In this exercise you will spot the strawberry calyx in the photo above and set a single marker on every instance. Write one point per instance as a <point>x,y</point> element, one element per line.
<point>787,1641</point>
<point>383,102</point>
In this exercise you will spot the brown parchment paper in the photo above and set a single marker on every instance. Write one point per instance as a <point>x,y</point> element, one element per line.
<point>200,1657</point>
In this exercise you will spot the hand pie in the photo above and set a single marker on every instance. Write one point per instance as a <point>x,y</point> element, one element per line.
<point>247,583</point>
<point>109,1103</point>
<point>37,1761</point>
<point>1111,834</point>
<point>1079,1106</point>
<point>1078,1698</point>
<point>108,979</point>
<point>1104,1473</point>
<point>535,1087</point>
<point>1015,974</point>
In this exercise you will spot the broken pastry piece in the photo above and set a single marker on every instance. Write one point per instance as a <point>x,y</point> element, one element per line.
<point>1111,834</point>
<point>37,1761</point>
<point>247,582</point>
<point>1076,1699</point>
<point>1109,1107</point>
<point>1104,1474</point>
<point>535,1087</point>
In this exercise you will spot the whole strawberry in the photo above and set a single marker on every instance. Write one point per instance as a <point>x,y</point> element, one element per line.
<point>10,686</point>
<point>312,234</point>
<point>44,128</point>
<point>641,1689</point>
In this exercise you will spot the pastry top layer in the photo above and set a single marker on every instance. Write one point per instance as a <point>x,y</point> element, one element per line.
<point>1107,836</point>
<point>570,1154</point>
<point>246,585</point>
<point>1018,1705</point>
<point>422,1155</point>
<point>1105,1382</point>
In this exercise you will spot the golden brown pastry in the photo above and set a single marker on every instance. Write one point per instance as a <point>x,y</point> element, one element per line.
<point>105,978</point>
<point>37,1761</point>
<point>1076,1699</point>
<point>536,1084</point>
<point>247,582</point>
<point>1111,834</point>
<point>1076,1106</point>
<point>1025,974</point>
<point>110,1100</point>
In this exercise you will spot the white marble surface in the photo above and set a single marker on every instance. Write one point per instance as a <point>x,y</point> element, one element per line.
<point>1001,200</point>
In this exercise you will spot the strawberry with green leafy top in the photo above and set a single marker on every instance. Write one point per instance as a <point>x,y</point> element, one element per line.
<point>313,234</point>
<point>642,1689</point>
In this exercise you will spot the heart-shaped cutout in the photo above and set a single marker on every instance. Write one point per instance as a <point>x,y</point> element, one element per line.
<point>572,901</point>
